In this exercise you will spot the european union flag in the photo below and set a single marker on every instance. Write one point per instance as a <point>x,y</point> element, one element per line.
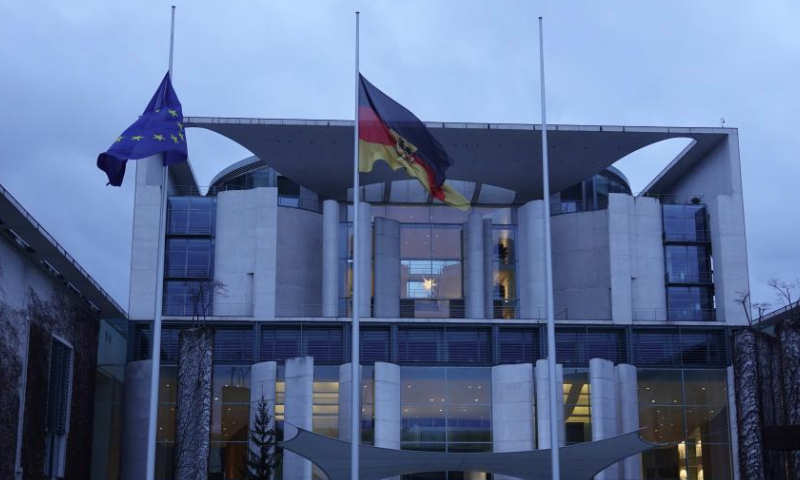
<point>158,130</point>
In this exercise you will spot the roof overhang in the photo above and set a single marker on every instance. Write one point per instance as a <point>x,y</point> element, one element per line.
<point>41,248</point>
<point>581,461</point>
<point>318,154</point>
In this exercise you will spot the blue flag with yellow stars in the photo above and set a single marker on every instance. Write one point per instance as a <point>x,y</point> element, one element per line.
<point>158,130</point>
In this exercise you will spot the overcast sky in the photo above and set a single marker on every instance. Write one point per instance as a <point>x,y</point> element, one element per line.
<point>74,75</point>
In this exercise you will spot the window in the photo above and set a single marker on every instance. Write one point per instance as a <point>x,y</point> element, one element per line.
<point>577,407</point>
<point>59,398</point>
<point>687,408</point>
<point>685,223</point>
<point>187,298</point>
<point>189,258</point>
<point>518,345</point>
<point>688,347</point>
<point>688,264</point>
<point>446,409</point>
<point>690,303</point>
<point>191,215</point>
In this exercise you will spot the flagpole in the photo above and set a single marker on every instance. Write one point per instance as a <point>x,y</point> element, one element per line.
<point>355,376</point>
<point>156,350</point>
<point>555,464</point>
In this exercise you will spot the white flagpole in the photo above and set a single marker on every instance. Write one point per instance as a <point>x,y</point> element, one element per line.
<point>155,353</point>
<point>555,464</point>
<point>355,379</point>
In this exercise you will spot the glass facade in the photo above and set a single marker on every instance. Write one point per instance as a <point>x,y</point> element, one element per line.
<point>577,407</point>
<point>590,194</point>
<point>189,256</point>
<point>689,408</point>
<point>431,259</point>
<point>689,265</point>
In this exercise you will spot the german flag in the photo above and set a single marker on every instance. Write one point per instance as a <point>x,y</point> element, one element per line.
<point>388,131</point>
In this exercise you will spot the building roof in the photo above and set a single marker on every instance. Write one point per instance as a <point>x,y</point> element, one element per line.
<point>318,154</point>
<point>42,249</point>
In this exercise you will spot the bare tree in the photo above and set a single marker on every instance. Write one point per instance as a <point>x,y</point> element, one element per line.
<point>203,297</point>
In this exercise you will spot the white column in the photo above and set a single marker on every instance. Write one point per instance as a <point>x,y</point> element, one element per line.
<point>603,398</point>
<point>387,268</point>
<point>620,209</point>
<point>474,268</point>
<point>345,392</point>
<point>263,376</point>
<point>299,401</point>
<point>135,418</point>
<point>628,401</point>
<point>144,244</point>
<point>531,264</point>
<point>364,260</point>
<point>728,242</point>
<point>488,268</point>
<point>543,404</point>
<point>734,439</point>
<point>387,405</point>
<point>330,258</point>
<point>512,409</point>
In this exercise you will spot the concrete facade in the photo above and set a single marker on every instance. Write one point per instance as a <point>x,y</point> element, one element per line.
<point>387,405</point>
<point>345,396</point>
<point>330,258</point>
<point>628,405</point>
<point>474,275</point>
<point>387,268</point>
<point>543,404</point>
<point>299,378</point>
<point>532,293</point>
<point>604,407</point>
<point>512,408</point>
<point>364,260</point>
<point>245,254</point>
<point>299,253</point>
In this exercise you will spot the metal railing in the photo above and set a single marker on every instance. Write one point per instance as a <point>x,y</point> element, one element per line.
<point>292,201</point>
<point>674,314</point>
<point>695,236</point>
<point>216,309</point>
<point>694,277</point>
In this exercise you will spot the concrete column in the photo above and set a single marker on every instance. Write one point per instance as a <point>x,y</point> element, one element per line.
<point>734,426</point>
<point>387,405</point>
<point>144,244</point>
<point>512,409</point>
<point>620,208</point>
<point>262,383</point>
<point>648,292</point>
<point>488,268</point>
<point>474,274</point>
<point>364,260</point>
<point>330,258</point>
<point>387,268</point>
<point>245,252</point>
<point>345,386</point>
<point>628,404</point>
<point>135,418</point>
<point>299,378</point>
<point>603,397</point>
<point>729,246</point>
<point>531,260</point>
<point>543,404</point>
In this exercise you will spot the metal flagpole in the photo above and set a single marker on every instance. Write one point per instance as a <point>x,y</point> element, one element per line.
<point>555,426</point>
<point>155,353</point>
<point>355,376</point>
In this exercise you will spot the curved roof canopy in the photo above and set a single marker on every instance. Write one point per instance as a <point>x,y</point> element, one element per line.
<point>318,154</point>
<point>581,461</point>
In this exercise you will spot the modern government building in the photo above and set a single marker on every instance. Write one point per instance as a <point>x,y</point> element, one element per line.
<point>453,309</point>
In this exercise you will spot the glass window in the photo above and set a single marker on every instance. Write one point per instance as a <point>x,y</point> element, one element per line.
<point>690,303</point>
<point>577,407</point>
<point>685,223</point>
<point>326,401</point>
<point>191,215</point>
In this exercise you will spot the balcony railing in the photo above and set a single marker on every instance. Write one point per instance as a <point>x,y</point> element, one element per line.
<point>700,236</point>
<point>690,277</point>
<point>188,271</point>
<point>216,309</point>
<point>674,314</point>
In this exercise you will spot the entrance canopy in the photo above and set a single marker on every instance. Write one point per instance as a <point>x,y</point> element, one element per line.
<point>318,154</point>
<point>580,461</point>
